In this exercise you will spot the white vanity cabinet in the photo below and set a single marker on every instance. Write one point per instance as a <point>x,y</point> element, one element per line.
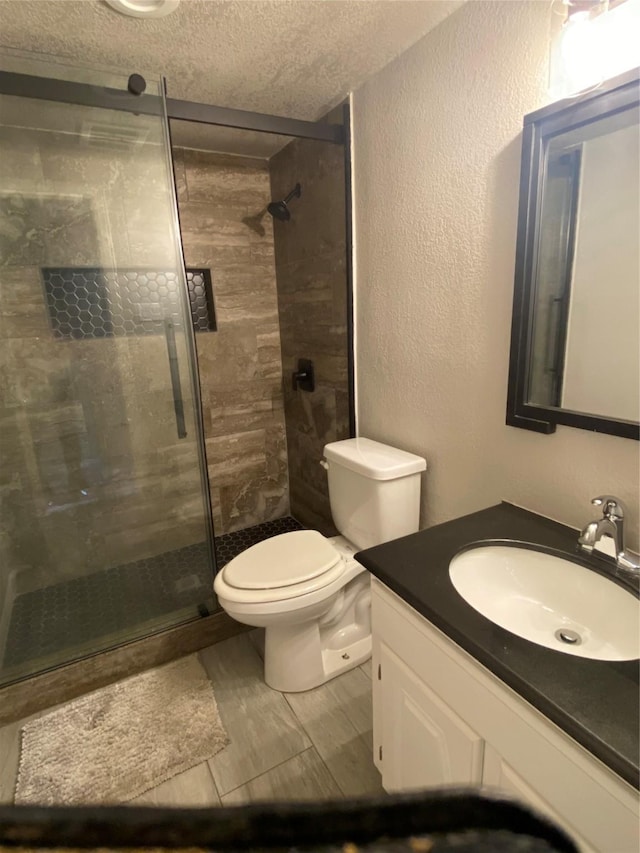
<point>441,718</point>
<point>425,742</point>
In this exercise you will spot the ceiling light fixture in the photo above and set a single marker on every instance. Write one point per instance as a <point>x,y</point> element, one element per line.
<point>144,8</point>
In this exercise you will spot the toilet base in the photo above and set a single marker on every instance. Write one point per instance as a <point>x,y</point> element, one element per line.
<point>304,655</point>
<point>309,667</point>
<point>339,661</point>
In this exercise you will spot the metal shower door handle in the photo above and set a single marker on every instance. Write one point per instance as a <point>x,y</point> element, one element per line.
<point>174,370</point>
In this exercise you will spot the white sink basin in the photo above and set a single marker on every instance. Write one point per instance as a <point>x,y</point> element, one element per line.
<point>550,601</point>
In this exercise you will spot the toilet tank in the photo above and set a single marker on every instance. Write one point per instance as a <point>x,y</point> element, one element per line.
<point>374,490</point>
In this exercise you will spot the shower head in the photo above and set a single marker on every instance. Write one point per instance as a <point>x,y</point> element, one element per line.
<point>279,209</point>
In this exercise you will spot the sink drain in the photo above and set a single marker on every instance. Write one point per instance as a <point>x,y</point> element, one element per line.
<point>566,635</point>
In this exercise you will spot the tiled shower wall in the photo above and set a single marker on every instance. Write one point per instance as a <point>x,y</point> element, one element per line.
<point>312,299</point>
<point>240,365</point>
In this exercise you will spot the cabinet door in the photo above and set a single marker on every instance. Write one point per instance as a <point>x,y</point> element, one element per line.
<point>424,743</point>
<point>498,774</point>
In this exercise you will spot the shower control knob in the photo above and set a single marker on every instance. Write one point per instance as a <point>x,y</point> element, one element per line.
<point>298,377</point>
<point>304,377</point>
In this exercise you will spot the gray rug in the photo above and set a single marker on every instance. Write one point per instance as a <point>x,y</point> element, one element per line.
<point>113,745</point>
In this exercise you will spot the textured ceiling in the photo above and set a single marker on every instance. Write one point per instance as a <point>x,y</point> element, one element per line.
<point>295,58</point>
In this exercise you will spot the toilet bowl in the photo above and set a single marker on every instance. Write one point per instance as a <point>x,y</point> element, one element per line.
<point>307,590</point>
<point>317,626</point>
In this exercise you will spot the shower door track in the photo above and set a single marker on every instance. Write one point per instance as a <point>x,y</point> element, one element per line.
<point>85,94</point>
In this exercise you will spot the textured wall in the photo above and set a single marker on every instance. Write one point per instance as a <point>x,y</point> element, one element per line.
<point>240,365</point>
<point>437,162</point>
<point>312,304</point>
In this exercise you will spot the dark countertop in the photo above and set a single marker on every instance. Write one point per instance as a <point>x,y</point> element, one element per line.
<point>595,702</point>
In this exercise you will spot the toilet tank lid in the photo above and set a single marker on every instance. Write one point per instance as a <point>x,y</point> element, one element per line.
<point>373,459</point>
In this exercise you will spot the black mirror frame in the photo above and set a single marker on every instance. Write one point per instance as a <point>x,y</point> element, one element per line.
<point>618,94</point>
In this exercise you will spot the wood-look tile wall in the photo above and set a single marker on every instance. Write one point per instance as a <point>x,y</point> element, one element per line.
<point>312,303</point>
<point>240,364</point>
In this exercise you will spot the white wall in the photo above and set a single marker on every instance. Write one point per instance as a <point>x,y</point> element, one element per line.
<point>437,163</point>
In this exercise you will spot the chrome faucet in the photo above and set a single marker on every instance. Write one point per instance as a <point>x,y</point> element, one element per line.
<point>611,524</point>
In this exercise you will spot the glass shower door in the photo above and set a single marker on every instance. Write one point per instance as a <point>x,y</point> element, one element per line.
<point>105,531</point>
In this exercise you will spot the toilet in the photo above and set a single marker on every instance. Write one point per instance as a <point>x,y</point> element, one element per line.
<point>307,590</point>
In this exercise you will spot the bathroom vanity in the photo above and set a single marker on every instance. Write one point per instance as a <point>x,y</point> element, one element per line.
<point>460,701</point>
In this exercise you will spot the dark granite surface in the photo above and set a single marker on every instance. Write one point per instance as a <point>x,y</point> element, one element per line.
<point>595,702</point>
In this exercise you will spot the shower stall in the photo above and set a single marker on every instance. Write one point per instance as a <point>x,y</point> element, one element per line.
<point>105,531</point>
<point>118,400</point>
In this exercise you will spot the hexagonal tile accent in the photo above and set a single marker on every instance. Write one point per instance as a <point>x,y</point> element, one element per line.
<point>229,545</point>
<point>88,302</point>
<point>86,609</point>
<point>201,299</point>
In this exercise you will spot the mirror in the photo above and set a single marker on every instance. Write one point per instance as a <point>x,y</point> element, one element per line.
<point>575,342</point>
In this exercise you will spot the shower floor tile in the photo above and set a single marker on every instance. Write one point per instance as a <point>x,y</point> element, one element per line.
<point>82,610</point>
<point>230,545</point>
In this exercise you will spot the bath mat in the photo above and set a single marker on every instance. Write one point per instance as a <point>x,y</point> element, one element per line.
<point>120,741</point>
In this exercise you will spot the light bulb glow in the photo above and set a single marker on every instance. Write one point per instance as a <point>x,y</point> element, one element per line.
<point>590,50</point>
<point>580,54</point>
<point>144,8</point>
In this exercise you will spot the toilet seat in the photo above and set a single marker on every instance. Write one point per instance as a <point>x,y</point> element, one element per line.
<point>282,567</point>
<point>284,560</point>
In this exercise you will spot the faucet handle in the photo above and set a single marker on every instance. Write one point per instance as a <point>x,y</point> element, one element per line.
<point>612,507</point>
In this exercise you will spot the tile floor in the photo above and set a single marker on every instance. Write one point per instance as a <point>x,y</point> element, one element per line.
<point>284,746</point>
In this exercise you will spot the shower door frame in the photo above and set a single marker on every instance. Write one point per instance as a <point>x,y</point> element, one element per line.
<point>86,94</point>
